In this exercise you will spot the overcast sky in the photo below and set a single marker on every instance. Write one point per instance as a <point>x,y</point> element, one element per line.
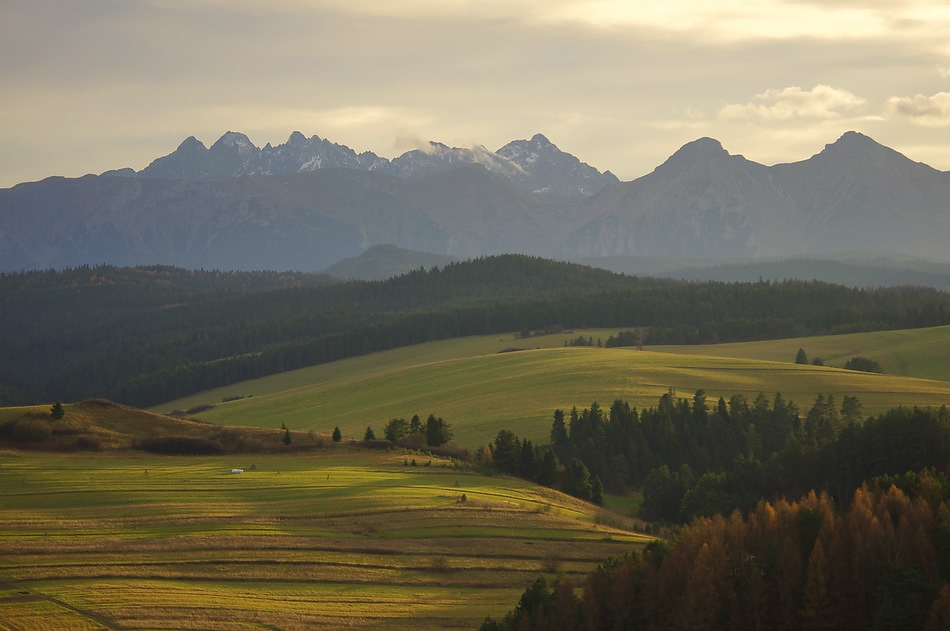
<point>92,85</point>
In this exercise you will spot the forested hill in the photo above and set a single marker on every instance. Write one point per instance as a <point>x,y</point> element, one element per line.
<point>143,336</point>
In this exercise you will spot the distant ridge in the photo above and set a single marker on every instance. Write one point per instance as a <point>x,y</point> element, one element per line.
<point>385,261</point>
<point>850,269</point>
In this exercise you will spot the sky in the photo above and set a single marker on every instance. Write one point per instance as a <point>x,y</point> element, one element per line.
<point>92,85</point>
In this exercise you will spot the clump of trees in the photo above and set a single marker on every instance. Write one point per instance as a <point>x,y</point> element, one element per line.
<point>414,434</point>
<point>514,456</point>
<point>882,564</point>
<point>626,338</point>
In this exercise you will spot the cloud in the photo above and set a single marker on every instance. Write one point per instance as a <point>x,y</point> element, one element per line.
<point>822,103</point>
<point>928,111</point>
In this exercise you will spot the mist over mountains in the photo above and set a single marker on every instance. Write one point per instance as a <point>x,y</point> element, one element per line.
<point>309,203</point>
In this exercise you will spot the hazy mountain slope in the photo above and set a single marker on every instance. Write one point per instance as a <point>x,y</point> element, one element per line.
<point>304,221</point>
<point>385,261</point>
<point>858,194</point>
<point>483,214</point>
<point>701,202</point>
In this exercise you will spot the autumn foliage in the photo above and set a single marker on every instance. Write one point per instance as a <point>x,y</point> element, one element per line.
<point>884,564</point>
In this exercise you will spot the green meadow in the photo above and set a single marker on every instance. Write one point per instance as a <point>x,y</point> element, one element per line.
<point>479,388</point>
<point>348,540</point>
<point>921,353</point>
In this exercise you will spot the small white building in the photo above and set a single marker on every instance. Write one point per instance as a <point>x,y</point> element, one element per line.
<point>237,470</point>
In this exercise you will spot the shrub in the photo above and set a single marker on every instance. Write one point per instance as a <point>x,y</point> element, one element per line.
<point>28,430</point>
<point>377,444</point>
<point>88,442</point>
<point>199,408</point>
<point>863,364</point>
<point>180,446</point>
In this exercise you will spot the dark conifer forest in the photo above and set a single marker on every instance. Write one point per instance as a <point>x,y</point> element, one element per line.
<point>867,546</point>
<point>142,336</point>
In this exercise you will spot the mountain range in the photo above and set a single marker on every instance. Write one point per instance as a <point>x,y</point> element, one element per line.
<point>535,165</point>
<point>310,203</point>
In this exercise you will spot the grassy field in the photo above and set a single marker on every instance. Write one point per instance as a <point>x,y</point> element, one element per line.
<point>354,540</point>
<point>481,390</point>
<point>920,353</point>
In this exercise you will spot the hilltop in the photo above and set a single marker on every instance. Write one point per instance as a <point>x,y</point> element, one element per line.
<point>98,424</point>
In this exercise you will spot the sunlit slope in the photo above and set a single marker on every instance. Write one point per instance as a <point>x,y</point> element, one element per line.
<point>357,540</point>
<point>481,394</point>
<point>923,353</point>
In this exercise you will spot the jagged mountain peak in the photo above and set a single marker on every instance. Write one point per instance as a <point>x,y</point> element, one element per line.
<point>545,169</point>
<point>535,165</point>
<point>852,154</point>
<point>856,146</point>
<point>702,147</point>
<point>234,140</point>
<point>700,152</point>
<point>297,138</point>
<point>541,140</point>
<point>191,143</point>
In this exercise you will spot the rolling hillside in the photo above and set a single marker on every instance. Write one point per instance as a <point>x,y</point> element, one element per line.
<point>480,389</point>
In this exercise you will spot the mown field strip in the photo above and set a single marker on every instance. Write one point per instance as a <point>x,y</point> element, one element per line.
<point>350,540</point>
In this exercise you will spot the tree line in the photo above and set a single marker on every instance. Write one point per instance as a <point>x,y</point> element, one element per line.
<point>692,459</point>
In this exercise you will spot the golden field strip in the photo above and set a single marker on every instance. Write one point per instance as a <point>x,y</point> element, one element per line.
<point>346,540</point>
<point>480,389</point>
